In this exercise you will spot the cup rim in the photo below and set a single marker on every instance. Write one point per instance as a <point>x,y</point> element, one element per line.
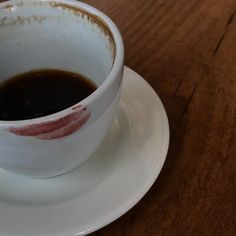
<point>117,63</point>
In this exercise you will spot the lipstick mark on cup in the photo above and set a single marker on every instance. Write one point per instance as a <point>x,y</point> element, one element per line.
<point>55,129</point>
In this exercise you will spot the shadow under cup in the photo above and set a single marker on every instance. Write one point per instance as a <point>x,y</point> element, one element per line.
<point>63,35</point>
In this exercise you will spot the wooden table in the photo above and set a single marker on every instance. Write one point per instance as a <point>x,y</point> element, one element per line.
<point>186,50</point>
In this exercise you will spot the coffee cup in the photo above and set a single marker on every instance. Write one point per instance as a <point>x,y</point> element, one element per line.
<point>66,35</point>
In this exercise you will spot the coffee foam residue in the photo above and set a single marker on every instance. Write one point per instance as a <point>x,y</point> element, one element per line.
<point>8,7</point>
<point>21,20</point>
<point>93,19</point>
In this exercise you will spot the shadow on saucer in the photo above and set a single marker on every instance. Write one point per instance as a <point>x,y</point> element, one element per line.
<point>23,191</point>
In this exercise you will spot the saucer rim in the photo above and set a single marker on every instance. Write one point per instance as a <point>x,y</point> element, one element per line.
<point>132,202</point>
<point>117,211</point>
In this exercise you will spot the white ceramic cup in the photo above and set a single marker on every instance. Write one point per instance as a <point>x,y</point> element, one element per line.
<point>68,35</point>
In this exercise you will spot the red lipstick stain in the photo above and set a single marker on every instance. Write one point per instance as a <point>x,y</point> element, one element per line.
<point>57,128</point>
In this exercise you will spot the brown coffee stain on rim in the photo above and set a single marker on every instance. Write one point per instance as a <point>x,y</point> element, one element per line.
<point>93,19</point>
<point>99,22</point>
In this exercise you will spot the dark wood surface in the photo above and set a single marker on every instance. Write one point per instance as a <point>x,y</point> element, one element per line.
<point>186,50</point>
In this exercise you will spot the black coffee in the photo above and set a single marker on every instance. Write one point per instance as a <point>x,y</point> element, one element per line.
<point>41,92</point>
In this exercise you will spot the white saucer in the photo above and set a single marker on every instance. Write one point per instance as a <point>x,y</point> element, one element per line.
<point>111,182</point>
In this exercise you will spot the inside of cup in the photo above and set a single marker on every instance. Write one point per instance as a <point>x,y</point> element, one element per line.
<point>43,34</point>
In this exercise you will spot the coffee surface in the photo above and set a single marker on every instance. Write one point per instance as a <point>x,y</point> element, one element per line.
<point>41,92</point>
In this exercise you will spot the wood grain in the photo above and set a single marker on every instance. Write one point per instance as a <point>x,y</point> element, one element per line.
<point>186,50</point>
